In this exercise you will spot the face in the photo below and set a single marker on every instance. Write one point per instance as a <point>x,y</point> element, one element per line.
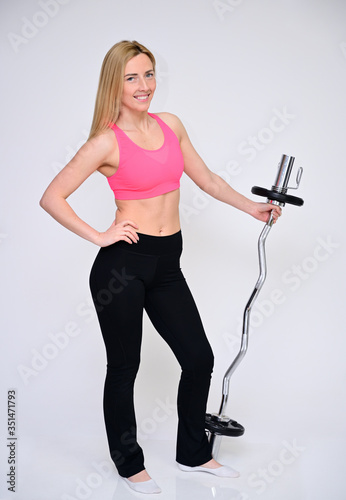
<point>139,84</point>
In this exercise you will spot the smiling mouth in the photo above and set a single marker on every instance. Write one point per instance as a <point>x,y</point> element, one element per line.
<point>142,97</point>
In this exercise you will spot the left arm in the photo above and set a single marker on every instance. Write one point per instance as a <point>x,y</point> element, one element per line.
<point>212,183</point>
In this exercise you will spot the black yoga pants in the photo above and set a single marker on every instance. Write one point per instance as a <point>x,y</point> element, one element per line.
<point>125,280</point>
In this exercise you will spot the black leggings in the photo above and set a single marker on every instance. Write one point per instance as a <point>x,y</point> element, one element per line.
<point>126,279</point>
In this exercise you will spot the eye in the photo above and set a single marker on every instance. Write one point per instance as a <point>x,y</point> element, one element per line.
<point>130,79</point>
<point>150,75</point>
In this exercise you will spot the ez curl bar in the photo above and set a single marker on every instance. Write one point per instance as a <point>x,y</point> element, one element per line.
<point>218,424</point>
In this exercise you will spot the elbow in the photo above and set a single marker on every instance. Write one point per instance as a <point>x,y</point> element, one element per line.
<point>44,202</point>
<point>51,202</point>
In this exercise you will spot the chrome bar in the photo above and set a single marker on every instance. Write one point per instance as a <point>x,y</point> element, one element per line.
<point>215,441</point>
<point>247,312</point>
<point>280,186</point>
<point>283,175</point>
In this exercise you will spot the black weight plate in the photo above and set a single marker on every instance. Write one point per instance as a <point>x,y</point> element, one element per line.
<point>228,428</point>
<point>280,197</point>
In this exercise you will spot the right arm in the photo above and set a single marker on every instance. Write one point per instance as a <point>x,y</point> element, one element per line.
<point>99,151</point>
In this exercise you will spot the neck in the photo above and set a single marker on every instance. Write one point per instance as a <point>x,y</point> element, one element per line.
<point>133,120</point>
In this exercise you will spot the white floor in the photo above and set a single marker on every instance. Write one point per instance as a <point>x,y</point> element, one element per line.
<point>281,470</point>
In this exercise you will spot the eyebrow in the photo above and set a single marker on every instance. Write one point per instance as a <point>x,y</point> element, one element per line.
<point>136,74</point>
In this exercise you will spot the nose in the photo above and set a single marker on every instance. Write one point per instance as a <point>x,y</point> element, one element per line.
<point>143,83</point>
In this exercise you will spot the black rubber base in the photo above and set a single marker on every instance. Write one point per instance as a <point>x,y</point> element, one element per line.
<point>275,196</point>
<point>228,428</point>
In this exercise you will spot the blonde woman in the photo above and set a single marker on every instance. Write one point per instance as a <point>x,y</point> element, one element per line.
<point>143,157</point>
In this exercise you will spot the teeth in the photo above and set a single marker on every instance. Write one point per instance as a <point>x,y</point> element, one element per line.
<point>141,98</point>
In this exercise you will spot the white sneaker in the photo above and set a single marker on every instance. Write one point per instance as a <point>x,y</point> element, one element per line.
<point>223,471</point>
<point>143,486</point>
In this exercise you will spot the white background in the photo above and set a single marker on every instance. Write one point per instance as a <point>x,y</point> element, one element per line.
<point>226,68</point>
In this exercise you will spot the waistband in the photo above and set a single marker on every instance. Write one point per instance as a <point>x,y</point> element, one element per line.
<point>153,245</point>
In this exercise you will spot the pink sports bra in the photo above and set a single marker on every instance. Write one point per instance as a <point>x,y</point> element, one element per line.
<point>144,173</point>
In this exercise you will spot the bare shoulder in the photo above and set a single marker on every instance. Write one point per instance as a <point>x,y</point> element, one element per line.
<point>173,122</point>
<point>106,149</point>
<point>104,143</point>
<point>100,152</point>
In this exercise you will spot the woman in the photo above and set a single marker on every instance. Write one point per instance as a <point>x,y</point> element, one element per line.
<point>137,267</point>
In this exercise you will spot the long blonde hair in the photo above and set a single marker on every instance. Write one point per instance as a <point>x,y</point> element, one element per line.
<point>111,81</point>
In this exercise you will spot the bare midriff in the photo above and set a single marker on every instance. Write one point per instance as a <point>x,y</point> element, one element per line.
<point>157,216</point>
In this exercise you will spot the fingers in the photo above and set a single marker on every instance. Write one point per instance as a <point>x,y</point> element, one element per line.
<point>128,223</point>
<point>130,236</point>
<point>274,216</point>
<point>273,211</point>
<point>128,233</point>
<point>276,212</point>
